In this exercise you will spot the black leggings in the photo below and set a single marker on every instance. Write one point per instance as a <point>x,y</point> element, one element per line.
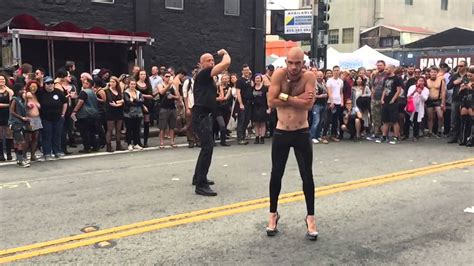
<point>133,130</point>
<point>282,142</point>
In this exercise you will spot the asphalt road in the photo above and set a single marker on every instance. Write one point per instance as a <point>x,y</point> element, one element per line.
<point>419,220</point>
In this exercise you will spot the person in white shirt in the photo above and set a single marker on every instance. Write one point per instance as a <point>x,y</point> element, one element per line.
<point>419,94</point>
<point>352,121</point>
<point>334,86</point>
<point>155,78</point>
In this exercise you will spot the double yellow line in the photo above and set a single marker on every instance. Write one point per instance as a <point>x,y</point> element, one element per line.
<point>62,244</point>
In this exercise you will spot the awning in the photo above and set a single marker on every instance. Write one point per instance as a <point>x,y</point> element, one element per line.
<point>28,26</point>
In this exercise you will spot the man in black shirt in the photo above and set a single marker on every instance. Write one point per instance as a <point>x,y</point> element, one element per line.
<point>53,108</point>
<point>454,85</point>
<point>244,98</point>
<point>392,87</point>
<point>410,80</point>
<point>205,94</point>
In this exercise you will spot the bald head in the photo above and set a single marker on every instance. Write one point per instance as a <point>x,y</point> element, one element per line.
<point>319,75</point>
<point>294,62</point>
<point>295,54</point>
<point>206,60</point>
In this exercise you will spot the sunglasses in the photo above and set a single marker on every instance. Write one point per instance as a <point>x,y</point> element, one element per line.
<point>167,76</point>
<point>48,83</point>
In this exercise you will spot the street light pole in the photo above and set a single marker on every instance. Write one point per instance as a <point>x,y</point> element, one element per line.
<point>314,33</point>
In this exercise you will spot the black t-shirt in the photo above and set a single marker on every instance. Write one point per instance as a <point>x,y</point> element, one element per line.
<point>246,90</point>
<point>168,103</point>
<point>390,85</point>
<point>51,104</point>
<point>321,88</point>
<point>410,82</point>
<point>205,91</point>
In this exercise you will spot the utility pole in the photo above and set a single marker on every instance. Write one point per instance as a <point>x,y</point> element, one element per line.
<point>315,32</point>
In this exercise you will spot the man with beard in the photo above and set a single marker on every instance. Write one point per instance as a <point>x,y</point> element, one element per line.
<point>376,103</point>
<point>411,78</point>
<point>292,94</point>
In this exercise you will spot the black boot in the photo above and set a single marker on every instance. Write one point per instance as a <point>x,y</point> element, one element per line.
<point>205,191</point>
<point>146,133</point>
<point>262,140</point>
<point>9,147</point>
<point>468,132</point>
<point>223,136</point>
<point>2,157</point>
<point>465,128</point>
<point>257,140</point>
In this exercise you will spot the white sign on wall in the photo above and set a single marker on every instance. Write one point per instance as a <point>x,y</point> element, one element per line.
<point>298,21</point>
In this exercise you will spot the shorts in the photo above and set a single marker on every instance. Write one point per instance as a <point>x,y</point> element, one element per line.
<point>376,111</point>
<point>433,103</point>
<point>390,113</point>
<point>167,119</point>
<point>18,133</point>
<point>402,103</point>
<point>34,124</point>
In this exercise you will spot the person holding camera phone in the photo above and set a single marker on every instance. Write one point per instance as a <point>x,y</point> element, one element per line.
<point>466,93</point>
<point>455,85</point>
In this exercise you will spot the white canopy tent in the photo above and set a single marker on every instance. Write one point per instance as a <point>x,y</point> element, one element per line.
<point>280,62</point>
<point>363,57</point>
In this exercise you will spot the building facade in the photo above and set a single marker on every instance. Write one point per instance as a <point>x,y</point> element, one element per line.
<point>349,18</point>
<point>182,29</point>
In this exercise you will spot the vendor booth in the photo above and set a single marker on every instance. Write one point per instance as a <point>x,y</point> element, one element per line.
<point>26,40</point>
<point>363,57</point>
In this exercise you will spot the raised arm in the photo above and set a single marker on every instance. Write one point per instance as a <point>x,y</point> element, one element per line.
<point>223,65</point>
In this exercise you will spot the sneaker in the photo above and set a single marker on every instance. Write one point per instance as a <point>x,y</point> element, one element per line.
<point>24,164</point>
<point>59,155</point>
<point>137,147</point>
<point>130,147</point>
<point>394,141</point>
<point>243,142</point>
<point>381,140</point>
<point>47,158</point>
<point>315,141</point>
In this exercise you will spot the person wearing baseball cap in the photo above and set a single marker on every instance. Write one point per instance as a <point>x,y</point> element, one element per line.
<point>53,104</point>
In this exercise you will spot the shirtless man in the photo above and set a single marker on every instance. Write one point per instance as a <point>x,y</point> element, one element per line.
<point>267,78</point>
<point>292,94</point>
<point>436,101</point>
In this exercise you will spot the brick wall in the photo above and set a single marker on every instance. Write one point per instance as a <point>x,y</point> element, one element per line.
<point>180,36</point>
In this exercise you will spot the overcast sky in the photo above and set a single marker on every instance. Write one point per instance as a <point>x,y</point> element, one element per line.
<point>279,4</point>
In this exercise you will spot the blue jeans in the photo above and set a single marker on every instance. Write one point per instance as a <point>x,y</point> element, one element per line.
<point>319,115</point>
<point>51,136</point>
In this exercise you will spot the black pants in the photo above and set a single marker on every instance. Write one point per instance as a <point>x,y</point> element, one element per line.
<point>133,130</point>
<point>447,120</point>
<point>334,117</point>
<point>202,126</point>
<point>416,126</point>
<point>243,120</point>
<point>88,129</point>
<point>282,142</point>
<point>455,121</point>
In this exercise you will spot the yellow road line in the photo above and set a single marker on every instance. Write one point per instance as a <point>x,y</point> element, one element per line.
<point>86,239</point>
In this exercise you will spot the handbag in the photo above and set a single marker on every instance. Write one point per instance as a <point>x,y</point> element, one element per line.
<point>410,107</point>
